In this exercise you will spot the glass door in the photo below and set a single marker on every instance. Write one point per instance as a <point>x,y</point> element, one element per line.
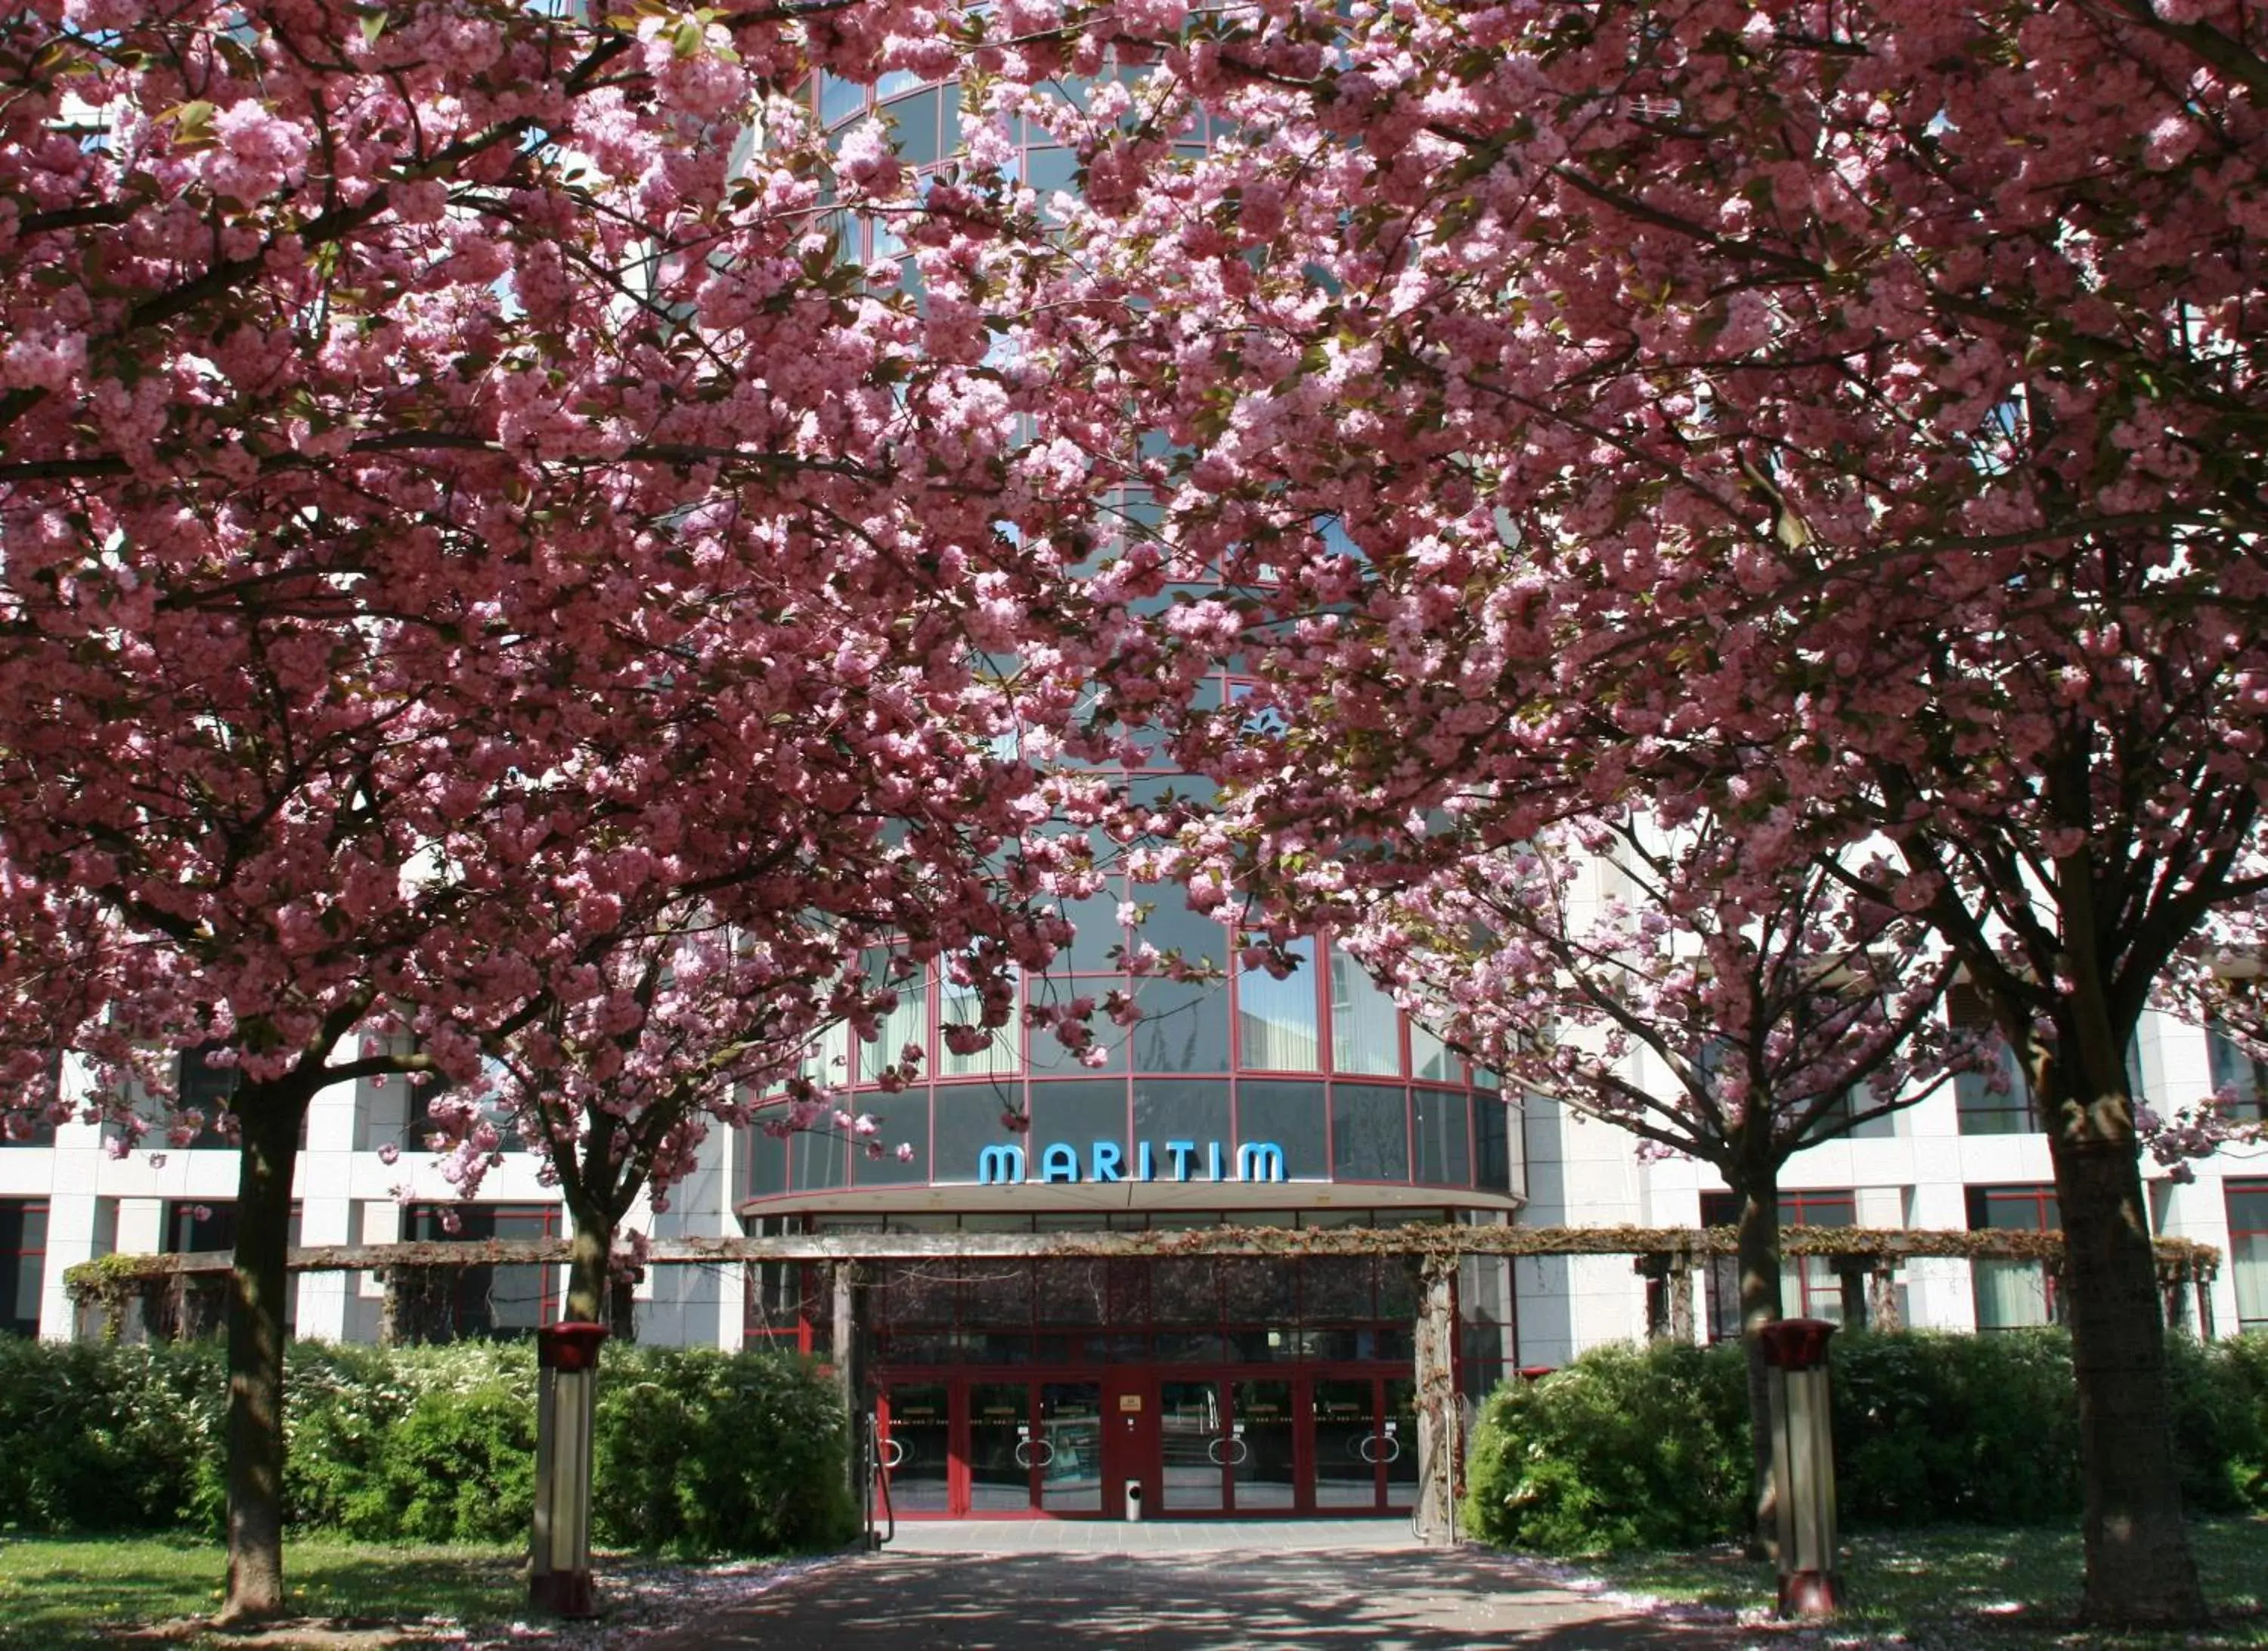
<point>1198,1449</point>
<point>1069,1446</point>
<point>1348,1442</point>
<point>1264,1457</point>
<point>1398,1447</point>
<point>916,1439</point>
<point>1005,1454</point>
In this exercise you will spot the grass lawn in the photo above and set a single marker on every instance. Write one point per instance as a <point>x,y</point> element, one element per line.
<point>57,1594</point>
<point>2014,1590</point>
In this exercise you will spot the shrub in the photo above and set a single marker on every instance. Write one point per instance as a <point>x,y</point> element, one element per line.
<point>696,1452</point>
<point>700,1453</point>
<point>98,1437</point>
<point>1626,1447</point>
<point>1630,1448</point>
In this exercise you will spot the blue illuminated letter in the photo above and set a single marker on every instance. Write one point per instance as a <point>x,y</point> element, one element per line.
<point>999,1166</point>
<point>1059,1163</point>
<point>1181,1152</point>
<point>1145,1163</point>
<point>1259,1161</point>
<point>1107,1162</point>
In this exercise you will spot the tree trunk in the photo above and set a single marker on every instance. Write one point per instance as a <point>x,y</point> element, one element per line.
<point>1757,1255</point>
<point>2139,1569</point>
<point>587,1254</point>
<point>269,1116</point>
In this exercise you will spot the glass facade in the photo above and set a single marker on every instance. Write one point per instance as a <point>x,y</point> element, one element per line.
<point>1222,1082</point>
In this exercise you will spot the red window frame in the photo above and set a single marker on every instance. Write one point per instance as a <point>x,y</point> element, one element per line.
<point>2255,1195</point>
<point>12,1261</point>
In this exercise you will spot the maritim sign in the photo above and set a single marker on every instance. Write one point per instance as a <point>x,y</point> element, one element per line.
<point>1004,1165</point>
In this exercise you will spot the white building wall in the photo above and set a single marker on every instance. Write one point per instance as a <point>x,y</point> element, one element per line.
<point>1914,1173</point>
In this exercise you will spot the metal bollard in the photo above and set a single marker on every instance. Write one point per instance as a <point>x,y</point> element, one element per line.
<point>1803,1465</point>
<point>559,1569</point>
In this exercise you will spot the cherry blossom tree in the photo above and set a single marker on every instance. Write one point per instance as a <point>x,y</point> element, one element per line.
<point>1843,409</point>
<point>448,469</point>
<point>1646,979</point>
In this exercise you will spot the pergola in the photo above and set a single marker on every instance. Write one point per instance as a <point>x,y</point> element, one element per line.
<point>121,1286</point>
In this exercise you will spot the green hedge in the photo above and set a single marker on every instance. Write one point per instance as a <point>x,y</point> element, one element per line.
<point>696,1452</point>
<point>1648,1447</point>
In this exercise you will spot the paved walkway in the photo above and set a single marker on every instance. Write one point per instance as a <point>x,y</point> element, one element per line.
<point>1055,1586</point>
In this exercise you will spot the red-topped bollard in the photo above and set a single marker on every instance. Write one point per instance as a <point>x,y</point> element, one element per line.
<point>559,1572</point>
<point>1803,1465</point>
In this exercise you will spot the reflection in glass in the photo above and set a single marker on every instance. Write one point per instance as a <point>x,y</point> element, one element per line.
<point>917,1448</point>
<point>823,1160</point>
<point>1399,1447</point>
<point>1255,1290</point>
<point>1348,1443</point>
<point>1171,926</point>
<point>1493,1122</point>
<point>767,1163</point>
<point>1196,1444</point>
<point>1289,1115</point>
<point>997,1294</point>
<point>1185,1290</point>
<point>1184,1027</point>
<point>1001,1457</point>
<point>1169,1109</point>
<point>1335,1289</point>
<point>968,1121</point>
<point>1266,1476</point>
<point>1070,1291</point>
<point>1444,1156</point>
<point>1078,1115</point>
<point>1430,1057</point>
<point>902,1120</point>
<point>1370,1133</point>
<point>1071,1447</point>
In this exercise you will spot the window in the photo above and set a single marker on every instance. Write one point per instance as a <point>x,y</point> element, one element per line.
<point>2247,1252</point>
<point>2013,1295</point>
<point>1809,1285</point>
<point>495,1111</point>
<point>22,1264</point>
<point>1365,1028</point>
<point>1276,1019</point>
<point>964,1006</point>
<point>206,1088</point>
<point>2241,1076</point>
<point>1370,1133</point>
<point>908,1022</point>
<point>200,1227</point>
<point>1989,1103</point>
<point>499,1303</point>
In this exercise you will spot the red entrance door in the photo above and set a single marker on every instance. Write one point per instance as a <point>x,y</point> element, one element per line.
<point>1129,1444</point>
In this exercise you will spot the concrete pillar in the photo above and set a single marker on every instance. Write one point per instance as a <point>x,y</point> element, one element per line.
<point>1438,1442</point>
<point>1680,1285</point>
<point>843,1333</point>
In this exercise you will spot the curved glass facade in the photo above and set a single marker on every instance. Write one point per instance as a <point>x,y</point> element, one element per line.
<point>1246,1090</point>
